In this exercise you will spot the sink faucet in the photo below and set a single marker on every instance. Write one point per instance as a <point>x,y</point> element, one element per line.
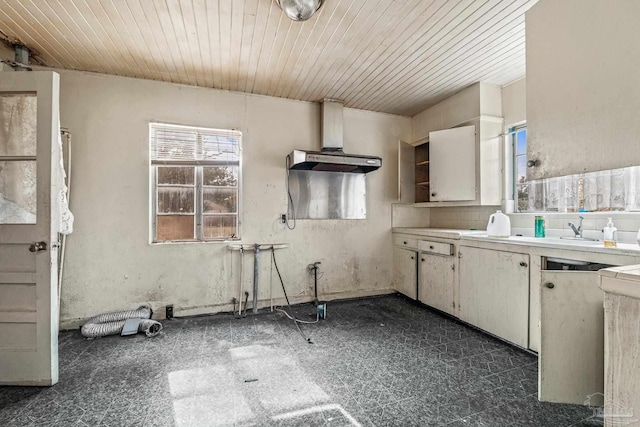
<point>577,230</point>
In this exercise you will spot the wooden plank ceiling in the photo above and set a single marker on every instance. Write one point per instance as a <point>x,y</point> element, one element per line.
<point>394,56</point>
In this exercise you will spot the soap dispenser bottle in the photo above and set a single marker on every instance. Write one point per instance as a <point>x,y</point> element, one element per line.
<point>610,235</point>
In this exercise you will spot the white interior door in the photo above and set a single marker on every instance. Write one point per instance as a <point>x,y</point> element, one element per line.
<point>29,131</point>
<point>452,164</point>
<point>572,338</point>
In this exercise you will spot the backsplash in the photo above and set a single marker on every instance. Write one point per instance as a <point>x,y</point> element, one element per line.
<point>409,216</point>
<point>557,224</point>
<point>473,217</point>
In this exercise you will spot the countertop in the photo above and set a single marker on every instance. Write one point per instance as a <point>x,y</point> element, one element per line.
<point>443,233</point>
<point>623,280</point>
<point>545,242</point>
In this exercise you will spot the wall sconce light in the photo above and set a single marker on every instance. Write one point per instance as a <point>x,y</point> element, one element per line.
<point>299,10</point>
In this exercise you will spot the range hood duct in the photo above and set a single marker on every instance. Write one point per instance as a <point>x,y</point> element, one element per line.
<point>331,158</point>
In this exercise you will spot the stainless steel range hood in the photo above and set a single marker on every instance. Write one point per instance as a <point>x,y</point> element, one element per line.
<point>331,158</point>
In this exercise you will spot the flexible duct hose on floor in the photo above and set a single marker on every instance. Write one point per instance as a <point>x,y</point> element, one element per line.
<point>112,323</point>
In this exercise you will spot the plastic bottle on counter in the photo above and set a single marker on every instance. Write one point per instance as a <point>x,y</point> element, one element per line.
<point>499,225</point>
<point>539,226</point>
<point>610,235</point>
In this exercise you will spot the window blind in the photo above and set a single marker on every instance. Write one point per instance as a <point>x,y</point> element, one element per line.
<point>175,144</point>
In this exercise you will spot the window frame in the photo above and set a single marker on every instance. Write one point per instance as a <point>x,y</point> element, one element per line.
<point>581,183</point>
<point>198,186</point>
<point>513,134</point>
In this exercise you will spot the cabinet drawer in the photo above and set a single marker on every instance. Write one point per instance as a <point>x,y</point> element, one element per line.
<point>405,242</point>
<point>435,247</point>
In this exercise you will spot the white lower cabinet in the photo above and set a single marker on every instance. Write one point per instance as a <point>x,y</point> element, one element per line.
<point>494,292</point>
<point>571,359</point>
<point>436,283</point>
<point>622,346</point>
<point>405,271</point>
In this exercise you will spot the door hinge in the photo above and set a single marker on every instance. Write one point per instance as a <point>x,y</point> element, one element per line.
<point>459,254</point>
<point>453,267</point>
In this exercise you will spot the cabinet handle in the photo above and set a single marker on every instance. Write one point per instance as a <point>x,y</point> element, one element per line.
<point>38,246</point>
<point>550,285</point>
<point>523,264</point>
<point>431,247</point>
<point>433,194</point>
<point>422,259</point>
<point>405,242</point>
<point>411,257</point>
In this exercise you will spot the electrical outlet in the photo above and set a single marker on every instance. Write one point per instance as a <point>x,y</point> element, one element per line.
<point>169,311</point>
<point>283,218</point>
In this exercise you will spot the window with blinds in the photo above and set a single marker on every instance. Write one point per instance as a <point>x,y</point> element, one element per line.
<point>195,174</point>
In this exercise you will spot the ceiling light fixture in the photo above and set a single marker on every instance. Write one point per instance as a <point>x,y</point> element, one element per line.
<point>299,10</point>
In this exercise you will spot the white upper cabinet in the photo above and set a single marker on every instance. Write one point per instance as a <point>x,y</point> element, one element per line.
<point>583,87</point>
<point>452,173</point>
<point>456,156</point>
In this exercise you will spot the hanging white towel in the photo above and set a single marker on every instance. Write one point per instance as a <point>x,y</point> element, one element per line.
<point>60,187</point>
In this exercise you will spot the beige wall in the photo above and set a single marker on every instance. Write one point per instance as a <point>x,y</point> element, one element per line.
<point>110,264</point>
<point>514,99</point>
<point>464,218</point>
<point>457,109</point>
<point>6,52</point>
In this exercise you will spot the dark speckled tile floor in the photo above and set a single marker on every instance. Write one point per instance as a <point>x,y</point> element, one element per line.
<point>375,362</point>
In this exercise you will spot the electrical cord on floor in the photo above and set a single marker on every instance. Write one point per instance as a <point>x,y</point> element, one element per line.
<point>246,300</point>
<point>309,322</point>
<point>295,321</point>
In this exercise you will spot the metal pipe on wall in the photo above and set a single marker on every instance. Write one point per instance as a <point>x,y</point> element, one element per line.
<point>21,57</point>
<point>256,274</point>
<point>241,280</point>
<point>257,247</point>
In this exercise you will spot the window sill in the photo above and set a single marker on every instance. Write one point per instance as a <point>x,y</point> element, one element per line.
<point>190,242</point>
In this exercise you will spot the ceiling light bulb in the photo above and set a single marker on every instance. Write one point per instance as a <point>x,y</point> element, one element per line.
<point>299,10</point>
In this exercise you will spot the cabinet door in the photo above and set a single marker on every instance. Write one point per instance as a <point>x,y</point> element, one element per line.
<point>405,272</point>
<point>622,347</point>
<point>572,337</point>
<point>452,156</point>
<point>494,292</point>
<point>406,172</point>
<point>435,286</point>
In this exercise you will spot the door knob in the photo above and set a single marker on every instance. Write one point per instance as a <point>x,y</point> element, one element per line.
<point>523,264</point>
<point>38,247</point>
<point>550,285</point>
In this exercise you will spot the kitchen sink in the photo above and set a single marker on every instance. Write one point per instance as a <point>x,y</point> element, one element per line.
<point>576,241</point>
